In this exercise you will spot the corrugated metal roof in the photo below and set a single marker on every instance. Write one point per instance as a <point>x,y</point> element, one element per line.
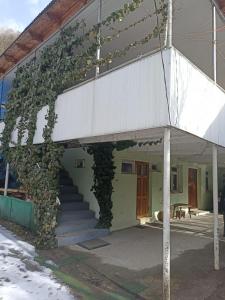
<point>55,14</point>
<point>220,4</point>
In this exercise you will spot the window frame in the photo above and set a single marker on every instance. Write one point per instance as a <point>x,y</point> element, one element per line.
<point>172,174</point>
<point>130,162</point>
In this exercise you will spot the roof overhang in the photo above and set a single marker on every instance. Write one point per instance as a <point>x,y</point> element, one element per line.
<point>57,13</point>
<point>221,5</point>
<point>50,20</point>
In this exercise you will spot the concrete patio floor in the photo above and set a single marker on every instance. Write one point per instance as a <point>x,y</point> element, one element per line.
<point>200,225</point>
<point>137,249</point>
<point>131,266</point>
<point>126,244</point>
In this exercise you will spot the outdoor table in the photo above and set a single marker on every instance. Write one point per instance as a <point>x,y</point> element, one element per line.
<point>180,206</point>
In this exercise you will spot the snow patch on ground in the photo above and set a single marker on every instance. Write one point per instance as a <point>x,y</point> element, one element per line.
<point>21,277</point>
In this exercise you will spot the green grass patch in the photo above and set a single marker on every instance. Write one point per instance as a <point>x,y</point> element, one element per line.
<point>79,287</point>
<point>133,287</point>
<point>86,291</point>
<point>70,259</point>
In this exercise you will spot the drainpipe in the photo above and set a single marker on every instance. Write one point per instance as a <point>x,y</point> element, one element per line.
<point>166,216</point>
<point>6,179</point>
<point>98,54</point>
<point>215,207</point>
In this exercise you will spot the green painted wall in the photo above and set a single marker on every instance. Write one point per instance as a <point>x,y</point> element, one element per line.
<point>18,211</point>
<point>124,201</point>
<point>124,196</point>
<point>83,178</point>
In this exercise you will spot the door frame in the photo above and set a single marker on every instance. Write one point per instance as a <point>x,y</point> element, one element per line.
<point>197,180</point>
<point>148,187</point>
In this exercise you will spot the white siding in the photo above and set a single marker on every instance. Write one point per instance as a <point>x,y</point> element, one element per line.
<point>130,98</point>
<point>197,104</point>
<point>133,98</point>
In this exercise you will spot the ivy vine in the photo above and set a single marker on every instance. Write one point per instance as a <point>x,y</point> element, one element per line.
<point>37,84</point>
<point>102,188</point>
<point>104,173</point>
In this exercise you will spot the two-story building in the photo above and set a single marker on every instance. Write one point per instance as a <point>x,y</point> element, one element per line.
<point>166,93</point>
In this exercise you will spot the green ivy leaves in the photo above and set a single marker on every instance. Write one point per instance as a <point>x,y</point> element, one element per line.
<point>37,84</point>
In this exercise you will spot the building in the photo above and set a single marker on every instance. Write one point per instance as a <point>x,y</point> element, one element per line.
<point>166,93</point>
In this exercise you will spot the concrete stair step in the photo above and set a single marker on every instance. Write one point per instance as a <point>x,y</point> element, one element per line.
<point>68,189</point>
<point>75,215</point>
<point>75,226</point>
<point>68,206</point>
<point>73,238</point>
<point>63,172</point>
<point>199,212</point>
<point>70,198</point>
<point>65,181</point>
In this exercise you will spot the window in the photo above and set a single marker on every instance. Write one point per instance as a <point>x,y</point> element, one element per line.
<point>207,181</point>
<point>128,167</point>
<point>79,163</point>
<point>154,168</point>
<point>174,180</point>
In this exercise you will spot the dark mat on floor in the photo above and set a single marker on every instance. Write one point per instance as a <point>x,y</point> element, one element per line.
<point>141,226</point>
<point>93,244</point>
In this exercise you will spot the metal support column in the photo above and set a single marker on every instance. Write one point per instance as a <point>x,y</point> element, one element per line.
<point>215,208</point>
<point>169,33</point>
<point>214,44</point>
<point>166,216</point>
<point>98,54</point>
<point>6,179</point>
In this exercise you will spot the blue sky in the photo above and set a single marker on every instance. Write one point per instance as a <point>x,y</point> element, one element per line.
<point>17,14</point>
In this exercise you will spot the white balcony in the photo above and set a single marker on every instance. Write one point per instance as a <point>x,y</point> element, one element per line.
<point>133,98</point>
<point>154,91</point>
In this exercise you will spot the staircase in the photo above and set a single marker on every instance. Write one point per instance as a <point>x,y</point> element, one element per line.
<point>76,222</point>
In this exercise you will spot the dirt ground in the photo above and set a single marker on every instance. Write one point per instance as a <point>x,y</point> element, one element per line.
<point>98,274</point>
<point>130,267</point>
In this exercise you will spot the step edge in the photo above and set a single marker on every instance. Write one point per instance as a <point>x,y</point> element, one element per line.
<point>75,233</point>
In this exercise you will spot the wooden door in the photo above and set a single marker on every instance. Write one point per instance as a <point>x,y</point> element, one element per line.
<point>192,188</point>
<point>142,169</point>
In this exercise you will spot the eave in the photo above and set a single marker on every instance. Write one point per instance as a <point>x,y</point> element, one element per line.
<point>57,13</point>
<point>221,5</point>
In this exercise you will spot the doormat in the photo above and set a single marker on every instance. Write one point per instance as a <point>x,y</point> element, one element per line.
<point>140,226</point>
<point>93,244</point>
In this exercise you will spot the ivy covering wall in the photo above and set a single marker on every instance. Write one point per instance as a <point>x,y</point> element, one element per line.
<point>37,84</point>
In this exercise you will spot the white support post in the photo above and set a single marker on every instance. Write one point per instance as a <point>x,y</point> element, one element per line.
<point>215,208</point>
<point>98,54</point>
<point>166,216</point>
<point>6,179</point>
<point>214,44</point>
<point>169,33</point>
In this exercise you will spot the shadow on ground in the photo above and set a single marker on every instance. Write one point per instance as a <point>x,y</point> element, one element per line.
<point>192,276</point>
